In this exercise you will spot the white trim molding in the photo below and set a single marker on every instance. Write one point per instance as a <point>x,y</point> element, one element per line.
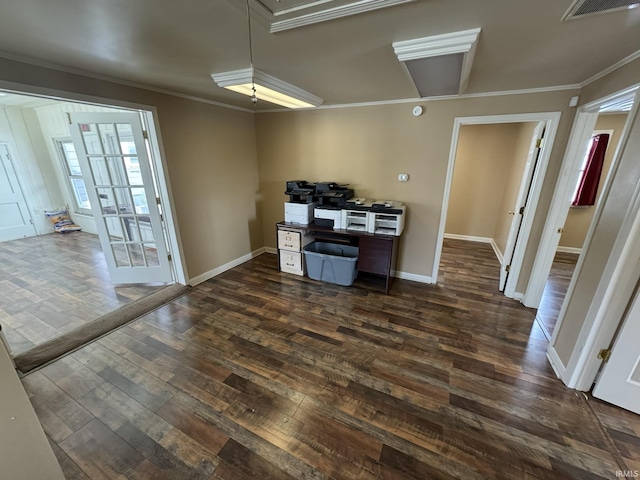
<point>556,363</point>
<point>227,266</point>
<point>552,120</point>
<point>575,250</point>
<point>611,69</point>
<point>471,238</point>
<point>413,277</point>
<point>271,250</point>
<point>325,15</point>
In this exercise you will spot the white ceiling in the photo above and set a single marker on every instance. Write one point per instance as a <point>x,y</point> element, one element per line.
<point>176,46</point>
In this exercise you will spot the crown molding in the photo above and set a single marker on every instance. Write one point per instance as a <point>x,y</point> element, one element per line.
<point>118,81</point>
<point>349,9</point>
<point>502,93</point>
<point>611,69</point>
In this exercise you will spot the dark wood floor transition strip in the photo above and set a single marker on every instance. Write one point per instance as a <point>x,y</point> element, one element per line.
<point>48,351</point>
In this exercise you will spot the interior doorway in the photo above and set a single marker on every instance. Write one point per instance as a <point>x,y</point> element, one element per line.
<point>111,179</point>
<point>494,178</point>
<point>610,125</point>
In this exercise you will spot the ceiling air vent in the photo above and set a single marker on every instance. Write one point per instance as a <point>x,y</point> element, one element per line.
<point>582,8</point>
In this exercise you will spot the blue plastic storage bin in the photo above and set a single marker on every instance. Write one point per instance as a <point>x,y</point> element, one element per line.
<point>332,263</point>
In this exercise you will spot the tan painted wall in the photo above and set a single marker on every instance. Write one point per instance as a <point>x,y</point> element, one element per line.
<point>579,218</point>
<point>480,177</point>
<point>519,156</point>
<point>25,453</point>
<point>368,146</point>
<point>211,158</point>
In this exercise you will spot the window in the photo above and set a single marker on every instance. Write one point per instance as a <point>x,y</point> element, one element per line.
<point>587,188</point>
<point>74,175</point>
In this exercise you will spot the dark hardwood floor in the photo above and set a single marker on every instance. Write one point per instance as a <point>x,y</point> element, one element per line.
<point>257,374</point>
<point>555,290</point>
<point>53,284</point>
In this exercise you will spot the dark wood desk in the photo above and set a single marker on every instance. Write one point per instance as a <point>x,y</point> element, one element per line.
<point>377,253</point>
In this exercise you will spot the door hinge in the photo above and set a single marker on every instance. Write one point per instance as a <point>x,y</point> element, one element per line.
<point>158,200</point>
<point>145,135</point>
<point>561,230</point>
<point>69,118</point>
<point>521,210</point>
<point>539,142</point>
<point>169,256</point>
<point>604,355</point>
<point>508,268</point>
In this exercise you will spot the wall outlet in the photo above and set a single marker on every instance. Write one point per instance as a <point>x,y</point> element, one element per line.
<point>403,177</point>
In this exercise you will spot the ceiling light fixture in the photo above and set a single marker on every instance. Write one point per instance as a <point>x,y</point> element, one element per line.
<point>260,86</point>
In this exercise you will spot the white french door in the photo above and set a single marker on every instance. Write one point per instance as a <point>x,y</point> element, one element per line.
<point>619,382</point>
<point>16,220</point>
<point>115,166</point>
<point>521,202</point>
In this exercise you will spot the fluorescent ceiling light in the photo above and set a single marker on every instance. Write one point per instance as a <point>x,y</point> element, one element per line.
<point>268,88</point>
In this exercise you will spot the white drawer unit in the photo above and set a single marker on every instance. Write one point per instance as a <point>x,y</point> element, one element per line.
<point>291,262</point>
<point>291,241</point>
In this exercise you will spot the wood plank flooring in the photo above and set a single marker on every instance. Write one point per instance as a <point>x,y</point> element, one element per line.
<point>257,374</point>
<point>564,264</point>
<point>52,284</point>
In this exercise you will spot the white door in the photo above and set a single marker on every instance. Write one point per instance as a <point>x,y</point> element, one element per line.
<point>15,220</point>
<point>113,158</point>
<point>619,382</point>
<point>521,202</point>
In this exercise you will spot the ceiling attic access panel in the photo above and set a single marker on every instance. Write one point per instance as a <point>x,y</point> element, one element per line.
<point>441,64</point>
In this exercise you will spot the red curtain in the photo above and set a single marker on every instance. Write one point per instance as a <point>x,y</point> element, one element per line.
<point>588,188</point>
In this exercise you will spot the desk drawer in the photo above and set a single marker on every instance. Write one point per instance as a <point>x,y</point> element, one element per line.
<point>288,240</point>
<point>375,255</point>
<point>291,262</point>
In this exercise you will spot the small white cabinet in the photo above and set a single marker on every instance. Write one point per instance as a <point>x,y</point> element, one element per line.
<point>291,241</point>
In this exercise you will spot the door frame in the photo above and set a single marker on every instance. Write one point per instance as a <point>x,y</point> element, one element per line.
<point>621,273</point>
<point>552,120</point>
<point>150,117</point>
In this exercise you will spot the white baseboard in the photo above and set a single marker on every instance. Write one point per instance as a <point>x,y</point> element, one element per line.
<point>557,365</point>
<point>470,238</point>
<point>518,296</point>
<point>575,250</point>
<point>497,251</point>
<point>227,266</point>
<point>271,250</point>
<point>412,276</point>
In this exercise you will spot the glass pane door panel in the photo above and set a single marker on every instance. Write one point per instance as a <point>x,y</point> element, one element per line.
<point>108,138</point>
<point>152,255</point>
<point>136,253</point>
<point>132,167</point>
<point>90,138</point>
<point>125,135</point>
<point>117,172</point>
<point>121,255</point>
<point>100,171</point>
<point>140,201</point>
<point>114,228</point>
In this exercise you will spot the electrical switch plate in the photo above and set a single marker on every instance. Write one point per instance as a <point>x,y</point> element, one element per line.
<point>403,177</point>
